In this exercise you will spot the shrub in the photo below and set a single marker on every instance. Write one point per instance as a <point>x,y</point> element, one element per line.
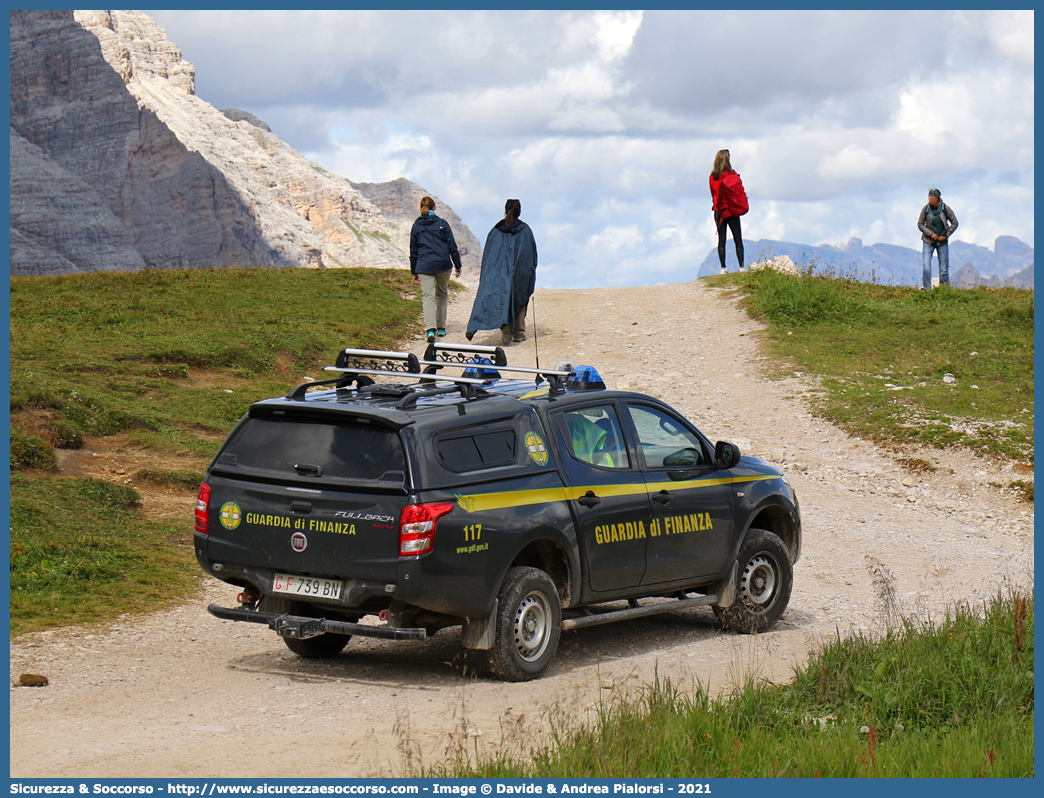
<point>66,435</point>
<point>787,299</point>
<point>31,451</point>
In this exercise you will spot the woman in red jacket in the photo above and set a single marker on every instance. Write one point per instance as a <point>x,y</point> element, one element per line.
<point>723,219</point>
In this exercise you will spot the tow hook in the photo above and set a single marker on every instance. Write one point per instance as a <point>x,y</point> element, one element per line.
<point>383,615</point>
<point>248,598</point>
<point>297,627</point>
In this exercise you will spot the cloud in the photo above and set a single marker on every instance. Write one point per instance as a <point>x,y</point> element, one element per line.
<point>1007,36</point>
<point>605,123</point>
<point>851,162</point>
<point>780,62</point>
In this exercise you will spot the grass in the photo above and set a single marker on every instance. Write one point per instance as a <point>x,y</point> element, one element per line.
<point>882,353</point>
<point>949,699</point>
<point>109,352</point>
<point>1024,487</point>
<point>82,552</point>
<point>31,451</point>
<point>184,479</point>
<point>170,360</point>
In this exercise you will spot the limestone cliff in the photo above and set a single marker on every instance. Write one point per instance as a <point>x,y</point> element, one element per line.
<point>399,202</point>
<point>116,164</point>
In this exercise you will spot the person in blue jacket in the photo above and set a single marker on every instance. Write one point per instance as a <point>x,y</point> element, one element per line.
<point>509,262</point>
<point>433,252</point>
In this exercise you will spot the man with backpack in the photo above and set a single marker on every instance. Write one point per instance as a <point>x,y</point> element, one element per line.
<point>730,203</point>
<point>936,223</point>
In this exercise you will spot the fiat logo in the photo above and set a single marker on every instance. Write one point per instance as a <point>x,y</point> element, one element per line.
<point>298,541</point>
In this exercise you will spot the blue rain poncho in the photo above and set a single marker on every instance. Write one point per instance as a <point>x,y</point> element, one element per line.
<point>509,262</point>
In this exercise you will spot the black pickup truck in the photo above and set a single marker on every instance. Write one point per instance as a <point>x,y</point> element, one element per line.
<point>514,508</point>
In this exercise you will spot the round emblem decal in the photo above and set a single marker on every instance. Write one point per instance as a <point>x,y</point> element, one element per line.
<point>298,541</point>
<point>536,447</point>
<point>230,515</point>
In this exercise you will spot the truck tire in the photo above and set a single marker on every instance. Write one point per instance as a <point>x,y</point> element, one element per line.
<point>529,617</point>
<point>763,586</point>
<point>327,645</point>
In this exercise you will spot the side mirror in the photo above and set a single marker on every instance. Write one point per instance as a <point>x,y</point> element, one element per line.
<point>682,458</point>
<point>727,454</point>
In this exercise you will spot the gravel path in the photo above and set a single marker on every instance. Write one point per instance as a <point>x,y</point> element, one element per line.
<point>182,694</point>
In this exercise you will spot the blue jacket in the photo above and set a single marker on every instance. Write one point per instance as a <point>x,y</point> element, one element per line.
<point>432,247</point>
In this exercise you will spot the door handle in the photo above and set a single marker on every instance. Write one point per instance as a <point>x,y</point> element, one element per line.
<point>662,497</point>
<point>589,499</point>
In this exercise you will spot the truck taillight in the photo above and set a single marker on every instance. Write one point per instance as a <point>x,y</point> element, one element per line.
<point>417,527</point>
<point>203,508</point>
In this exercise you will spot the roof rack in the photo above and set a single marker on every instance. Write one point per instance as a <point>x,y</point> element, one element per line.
<point>463,353</point>
<point>356,365</point>
<point>436,356</point>
<point>375,360</point>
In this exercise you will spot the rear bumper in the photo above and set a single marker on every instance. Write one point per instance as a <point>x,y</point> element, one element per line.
<point>356,592</point>
<point>300,627</point>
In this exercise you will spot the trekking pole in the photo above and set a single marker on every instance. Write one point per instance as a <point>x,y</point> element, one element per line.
<point>536,343</point>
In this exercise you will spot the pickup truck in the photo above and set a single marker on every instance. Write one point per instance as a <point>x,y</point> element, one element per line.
<point>515,508</point>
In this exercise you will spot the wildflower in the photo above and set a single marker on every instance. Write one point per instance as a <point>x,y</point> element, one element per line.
<point>864,729</point>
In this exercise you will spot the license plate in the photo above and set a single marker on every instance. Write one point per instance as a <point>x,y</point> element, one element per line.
<point>307,586</point>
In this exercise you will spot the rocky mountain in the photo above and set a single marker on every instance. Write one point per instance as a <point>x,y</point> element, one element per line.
<point>967,276</point>
<point>117,165</point>
<point>1010,262</point>
<point>399,201</point>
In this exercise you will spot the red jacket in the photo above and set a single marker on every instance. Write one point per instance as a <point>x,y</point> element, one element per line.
<point>719,200</point>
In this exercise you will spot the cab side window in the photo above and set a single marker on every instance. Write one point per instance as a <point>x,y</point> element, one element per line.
<point>480,450</point>
<point>665,442</point>
<point>595,437</point>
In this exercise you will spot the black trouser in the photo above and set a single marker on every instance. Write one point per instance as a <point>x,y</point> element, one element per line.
<point>733,224</point>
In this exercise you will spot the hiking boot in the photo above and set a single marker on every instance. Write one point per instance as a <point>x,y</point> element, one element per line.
<point>505,334</point>
<point>441,332</point>
<point>518,336</point>
<point>431,336</point>
<point>470,334</point>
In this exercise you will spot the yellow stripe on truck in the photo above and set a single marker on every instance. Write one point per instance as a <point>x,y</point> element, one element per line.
<point>513,498</point>
<point>656,487</point>
<point>522,498</point>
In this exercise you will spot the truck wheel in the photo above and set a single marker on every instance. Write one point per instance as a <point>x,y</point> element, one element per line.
<point>764,583</point>
<point>528,621</point>
<point>326,645</point>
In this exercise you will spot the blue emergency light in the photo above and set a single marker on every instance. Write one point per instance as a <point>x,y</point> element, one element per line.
<point>586,378</point>
<point>482,374</point>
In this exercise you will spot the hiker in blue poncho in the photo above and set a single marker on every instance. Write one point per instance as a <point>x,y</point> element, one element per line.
<point>509,262</point>
<point>936,223</point>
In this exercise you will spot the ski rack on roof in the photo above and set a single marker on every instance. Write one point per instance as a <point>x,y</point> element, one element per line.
<point>356,366</point>
<point>436,356</point>
<point>463,353</point>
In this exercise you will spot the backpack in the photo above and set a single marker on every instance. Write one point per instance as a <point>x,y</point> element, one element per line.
<point>733,194</point>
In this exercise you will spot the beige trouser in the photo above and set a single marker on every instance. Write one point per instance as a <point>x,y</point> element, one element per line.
<point>435,298</point>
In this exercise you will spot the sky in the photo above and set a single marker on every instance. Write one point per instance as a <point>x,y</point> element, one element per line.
<point>605,123</point>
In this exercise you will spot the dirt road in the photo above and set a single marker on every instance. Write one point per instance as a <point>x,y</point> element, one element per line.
<point>180,693</point>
